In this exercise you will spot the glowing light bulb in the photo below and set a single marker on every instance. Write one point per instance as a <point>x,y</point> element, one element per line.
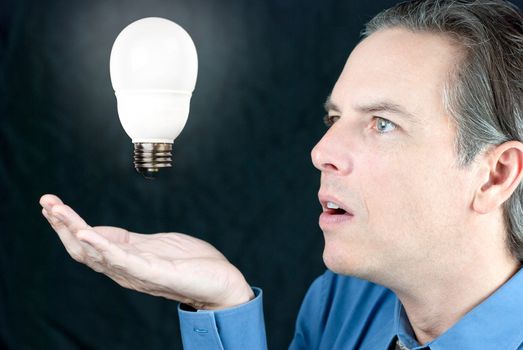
<point>153,68</point>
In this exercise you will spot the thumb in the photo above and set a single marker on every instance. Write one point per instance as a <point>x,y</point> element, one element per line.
<point>93,239</point>
<point>110,251</point>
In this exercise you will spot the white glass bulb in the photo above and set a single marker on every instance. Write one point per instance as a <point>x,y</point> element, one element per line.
<point>153,69</point>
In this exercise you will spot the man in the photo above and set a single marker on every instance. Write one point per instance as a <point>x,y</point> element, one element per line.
<point>420,188</point>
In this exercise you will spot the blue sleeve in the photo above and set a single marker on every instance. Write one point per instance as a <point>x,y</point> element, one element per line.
<point>311,318</point>
<point>239,327</point>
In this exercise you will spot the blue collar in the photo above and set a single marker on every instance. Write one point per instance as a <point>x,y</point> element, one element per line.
<point>496,323</point>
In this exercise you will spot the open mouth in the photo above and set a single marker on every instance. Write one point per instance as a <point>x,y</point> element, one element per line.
<point>333,214</point>
<point>338,211</point>
<point>332,208</point>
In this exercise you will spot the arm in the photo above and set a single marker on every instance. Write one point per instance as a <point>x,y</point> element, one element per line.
<point>240,327</point>
<point>172,265</point>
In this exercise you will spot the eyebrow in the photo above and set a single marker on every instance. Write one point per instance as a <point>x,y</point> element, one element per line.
<point>378,106</point>
<point>330,106</point>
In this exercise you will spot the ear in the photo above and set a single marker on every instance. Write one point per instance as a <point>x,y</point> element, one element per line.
<point>503,172</point>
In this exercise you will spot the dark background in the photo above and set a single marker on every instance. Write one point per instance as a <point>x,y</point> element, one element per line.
<point>242,176</point>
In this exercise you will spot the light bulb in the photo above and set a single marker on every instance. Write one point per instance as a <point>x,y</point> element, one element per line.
<point>153,68</point>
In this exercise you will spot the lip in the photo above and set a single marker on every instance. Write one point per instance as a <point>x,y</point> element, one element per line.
<point>327,219</point>
<point>324,198</point>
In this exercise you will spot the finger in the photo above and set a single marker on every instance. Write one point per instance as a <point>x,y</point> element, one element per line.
<point>49,200</point>
<point>66,223</point>
<point>79,251</point>
<point>52,220</point>
<point>112,254</point>
<point>115,260</point>
<point>97,258</point>
<point>72,246</point>
<point>94,239</point>
<point>69,218</point>
<point>91,256</point>
<point>113,234</point>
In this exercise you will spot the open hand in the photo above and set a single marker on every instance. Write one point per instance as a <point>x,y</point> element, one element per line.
<point>172,265</point>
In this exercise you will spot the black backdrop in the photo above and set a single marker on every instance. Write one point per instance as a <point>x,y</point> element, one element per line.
<point>242,176</point>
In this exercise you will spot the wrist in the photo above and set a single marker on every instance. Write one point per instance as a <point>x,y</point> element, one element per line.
<point>242,296</point>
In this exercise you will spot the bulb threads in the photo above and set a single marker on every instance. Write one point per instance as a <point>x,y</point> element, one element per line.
<point>150,157</point>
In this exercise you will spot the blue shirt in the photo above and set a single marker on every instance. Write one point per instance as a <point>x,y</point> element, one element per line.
<point>341,312</point>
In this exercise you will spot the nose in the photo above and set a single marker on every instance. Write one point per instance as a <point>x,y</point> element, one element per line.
<point>332,153</point>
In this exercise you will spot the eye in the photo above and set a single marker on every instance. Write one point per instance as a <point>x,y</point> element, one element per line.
<point>384,125</point>
<point>329,120</point>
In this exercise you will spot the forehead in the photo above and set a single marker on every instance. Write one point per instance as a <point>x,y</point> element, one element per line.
<point>396,65</point>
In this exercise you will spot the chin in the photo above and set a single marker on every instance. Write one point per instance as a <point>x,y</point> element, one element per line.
<point>338,262</point>
<point>347,264</point>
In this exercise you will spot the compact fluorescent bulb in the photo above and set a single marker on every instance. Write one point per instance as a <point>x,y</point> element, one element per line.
<point>153,69</point>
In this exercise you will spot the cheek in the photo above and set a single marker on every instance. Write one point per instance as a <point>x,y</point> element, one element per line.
<point>406,196</point>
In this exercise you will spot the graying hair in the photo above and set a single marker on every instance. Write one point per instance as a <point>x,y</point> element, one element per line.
<point>484,91</point>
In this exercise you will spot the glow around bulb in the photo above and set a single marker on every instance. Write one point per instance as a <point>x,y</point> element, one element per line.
<point>153,69</point>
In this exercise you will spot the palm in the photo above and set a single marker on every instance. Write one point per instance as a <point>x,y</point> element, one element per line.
<point>173,265</point>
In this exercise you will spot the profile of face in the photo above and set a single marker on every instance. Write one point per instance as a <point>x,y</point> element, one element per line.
<point>389,159</point>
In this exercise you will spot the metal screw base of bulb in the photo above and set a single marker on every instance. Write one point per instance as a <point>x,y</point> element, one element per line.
<point>150,157</point>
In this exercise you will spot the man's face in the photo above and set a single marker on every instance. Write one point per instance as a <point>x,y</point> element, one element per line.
<point>390,160</point>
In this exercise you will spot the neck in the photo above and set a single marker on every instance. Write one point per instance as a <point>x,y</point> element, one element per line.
<point>449,288</point>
